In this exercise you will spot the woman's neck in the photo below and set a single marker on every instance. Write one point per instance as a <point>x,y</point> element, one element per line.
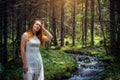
<point>34,32</point>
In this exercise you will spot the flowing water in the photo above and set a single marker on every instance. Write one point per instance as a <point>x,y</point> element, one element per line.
<point>87,67</point>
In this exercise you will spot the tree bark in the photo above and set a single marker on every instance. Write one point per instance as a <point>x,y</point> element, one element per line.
<point>1,32</point>
<point>5,53</point>
<point>104,38</point>
<point>73,35</point>
<point>118,27</point>
<point>112,27</point>
<point>62,23</point>
<point>83,31</point>
<point>86,20</point>
<point>54,23</point>
<point>92,23</point>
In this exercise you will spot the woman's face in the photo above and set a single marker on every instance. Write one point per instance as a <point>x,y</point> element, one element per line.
<point>37,26</point>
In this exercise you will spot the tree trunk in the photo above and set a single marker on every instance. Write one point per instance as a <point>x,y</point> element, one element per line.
<point>86,20</point>
<point>102,29</point>
<point>92,23</point>
<point>74,12</point>
<point>62,23</point>
<point>19,31</point>
<point>83,31</point>
<point>47,44</point>
<point>54,23</point>
<point>112,27</point>
<point>118,27</point>
<point>5,32</point>
<point>1,32</point>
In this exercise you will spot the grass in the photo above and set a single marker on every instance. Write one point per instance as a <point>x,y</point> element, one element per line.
<point>57,65</point>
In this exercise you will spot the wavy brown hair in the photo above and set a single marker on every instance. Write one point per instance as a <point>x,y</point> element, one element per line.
<point>39,34</point>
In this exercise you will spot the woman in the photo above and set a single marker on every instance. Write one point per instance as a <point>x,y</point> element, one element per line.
<point>31,41</point>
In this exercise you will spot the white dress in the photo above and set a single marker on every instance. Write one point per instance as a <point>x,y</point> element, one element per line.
<point>33,58</point>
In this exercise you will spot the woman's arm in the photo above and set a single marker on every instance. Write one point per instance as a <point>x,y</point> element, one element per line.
<point>23,54</point>
<point>48,36</point>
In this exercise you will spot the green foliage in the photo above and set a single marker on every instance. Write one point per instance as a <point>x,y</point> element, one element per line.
<point>12,70</point>
<point>112,71</point>
<point>57,65</point>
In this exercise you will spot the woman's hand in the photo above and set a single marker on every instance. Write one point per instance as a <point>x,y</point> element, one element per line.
<point>25,68</point>
<point>48,36</point>
<point>42,20</point>
<point>42,23</point>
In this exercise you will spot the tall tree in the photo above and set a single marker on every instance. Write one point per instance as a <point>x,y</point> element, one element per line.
<point>62,22</point>
<point>101,25</point>
<point>83,30</point>
<point>115,27</point>
<point>5,53</point>
<point>112,27</point>
<point>54,22</point>
<point>1,30</point>
<point>92,22</point>
<point>118,26</point>
<point>86,19</point>
<point>74,13</point>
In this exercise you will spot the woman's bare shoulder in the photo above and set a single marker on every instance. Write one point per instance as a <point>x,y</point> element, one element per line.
<point>24,35</point>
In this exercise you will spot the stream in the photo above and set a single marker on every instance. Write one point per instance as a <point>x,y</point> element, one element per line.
<point>87,67</point>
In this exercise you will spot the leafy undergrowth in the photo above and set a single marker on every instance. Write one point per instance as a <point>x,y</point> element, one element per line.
<point>12,70</point>
<point>57,65</point>
<point>112,71</point>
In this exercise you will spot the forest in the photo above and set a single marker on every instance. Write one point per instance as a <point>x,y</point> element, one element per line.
<point>79,28</point>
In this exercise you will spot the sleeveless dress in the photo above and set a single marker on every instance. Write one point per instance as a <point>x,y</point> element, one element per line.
<point>33,57</point>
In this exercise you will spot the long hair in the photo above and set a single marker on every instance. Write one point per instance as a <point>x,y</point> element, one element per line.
<point>39,34</point>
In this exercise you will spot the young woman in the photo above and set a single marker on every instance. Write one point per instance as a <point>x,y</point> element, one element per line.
<point>31,41</point>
